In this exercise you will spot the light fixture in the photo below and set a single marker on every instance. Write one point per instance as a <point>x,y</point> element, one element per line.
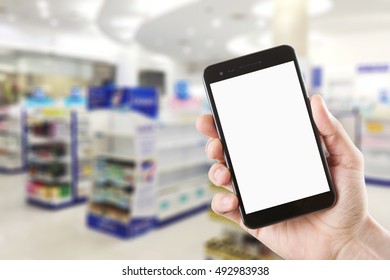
<point>315,8</point>
<point>43,9</point>
<point>42,4</point>
<point>216,23</point>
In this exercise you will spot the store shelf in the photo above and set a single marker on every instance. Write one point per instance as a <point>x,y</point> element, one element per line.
<point>116,134</point>
<point>177,144</point>
<point>65,159</point>
<point>33,140</point>
<point>199,178</point>
<point>52,151</point>
<point>183,165</point>
<point>12,140</point>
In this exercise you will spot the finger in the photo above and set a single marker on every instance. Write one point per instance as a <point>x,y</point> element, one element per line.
<point>226,205</point>
<point>214,149</point>
<point>340,147</point>
<point>220,175</point>
<point>205,124</point>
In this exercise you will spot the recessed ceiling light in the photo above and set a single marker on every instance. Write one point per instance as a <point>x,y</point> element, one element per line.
<point>43,9</point>
<point>216,23</point>
<point>42,4</point>
<point>315,7</point>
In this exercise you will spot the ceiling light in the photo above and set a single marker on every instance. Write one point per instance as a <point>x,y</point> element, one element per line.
<point>43,9</point>
<point>315,8</point>
<point>42,4</point>
<point>216,23</point>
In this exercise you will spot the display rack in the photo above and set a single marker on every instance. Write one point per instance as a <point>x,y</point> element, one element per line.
<point>12,140</point>
<point>182,174</point>
<point>376,149</point>
<point>122,202</point>
<point>56,178</point>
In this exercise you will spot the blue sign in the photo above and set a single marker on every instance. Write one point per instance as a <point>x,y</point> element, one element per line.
<point>181,90</point>
<point>39,99</point>
<point>316,77</point>
<point>144,100</point>
<point>374,68</point>
<point>139,99</point>
<point>75,98</point>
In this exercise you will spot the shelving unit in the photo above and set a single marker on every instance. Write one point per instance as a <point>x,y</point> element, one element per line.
<point>122,199</point>
<point>376,149</point>
<point>12,140</point>
<point>58,165</point>
<point>182,173</point>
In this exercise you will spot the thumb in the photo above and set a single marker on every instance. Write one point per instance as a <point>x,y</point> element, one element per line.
<point>342,150</point>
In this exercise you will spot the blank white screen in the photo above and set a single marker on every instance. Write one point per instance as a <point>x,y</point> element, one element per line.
<point>269,137</point>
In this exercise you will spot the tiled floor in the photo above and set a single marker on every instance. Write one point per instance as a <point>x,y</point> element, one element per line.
<point>28,232</point>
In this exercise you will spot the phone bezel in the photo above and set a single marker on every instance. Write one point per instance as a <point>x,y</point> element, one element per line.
<point>244,65</point>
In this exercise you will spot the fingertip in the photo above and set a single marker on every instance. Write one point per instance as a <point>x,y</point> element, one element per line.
<point>223,203</point>
<point>214,149</point>
<point>205,125</point>
<point>200,123</point>
<point>219,174</point>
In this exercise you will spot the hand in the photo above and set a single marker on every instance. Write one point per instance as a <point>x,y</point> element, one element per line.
<point>344,231</point>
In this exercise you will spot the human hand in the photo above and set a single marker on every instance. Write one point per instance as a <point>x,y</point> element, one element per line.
<point>344,231</point>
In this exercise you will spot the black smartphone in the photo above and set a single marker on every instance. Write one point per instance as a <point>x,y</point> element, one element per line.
<point>271,144</point>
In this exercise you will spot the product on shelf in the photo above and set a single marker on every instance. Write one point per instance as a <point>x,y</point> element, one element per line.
<point>235,245</point>
<point>114,185</point>
<point>56,177</point>
<point>375,146</point>
<point>12,140</point>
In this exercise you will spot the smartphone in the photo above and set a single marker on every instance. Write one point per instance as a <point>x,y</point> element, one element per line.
<point>271,144</point>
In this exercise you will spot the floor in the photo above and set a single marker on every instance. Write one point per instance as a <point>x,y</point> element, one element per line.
<point>27,232</point>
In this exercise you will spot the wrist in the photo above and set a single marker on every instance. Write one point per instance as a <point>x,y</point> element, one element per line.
<point>370,242</point>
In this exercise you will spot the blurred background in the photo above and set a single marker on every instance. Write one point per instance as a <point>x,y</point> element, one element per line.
<point>99,156</point>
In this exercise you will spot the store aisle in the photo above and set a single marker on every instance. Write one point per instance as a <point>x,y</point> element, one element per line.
<point>28,232</point>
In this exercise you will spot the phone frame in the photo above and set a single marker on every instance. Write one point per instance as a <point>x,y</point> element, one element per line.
<point>244,65</point>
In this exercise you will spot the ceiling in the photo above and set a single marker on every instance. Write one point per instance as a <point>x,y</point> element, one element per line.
<point>188,30</point>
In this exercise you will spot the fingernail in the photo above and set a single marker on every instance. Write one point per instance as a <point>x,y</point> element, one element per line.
<point>218,175</point>
<point>227,201</point>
